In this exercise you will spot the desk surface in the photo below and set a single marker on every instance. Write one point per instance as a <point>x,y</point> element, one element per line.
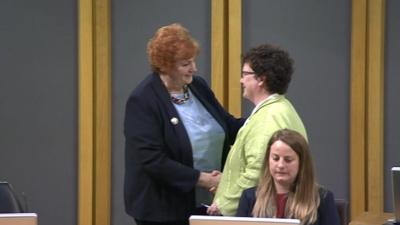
<point>18,218</point>
<point>368,218</point>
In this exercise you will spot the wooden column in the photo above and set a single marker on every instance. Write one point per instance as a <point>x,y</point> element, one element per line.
<point>375,92</point>
<point>219,51</point>
<point>94,113</point>
<point>367,107</point>
<point>358,108</point>
<point>234,56</point>
<point>226,49</point>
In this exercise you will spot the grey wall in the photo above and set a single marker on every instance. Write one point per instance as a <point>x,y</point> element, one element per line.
<point>38,105</point>
<point>38,89</point>
<point>317,35</point>
<point>133,23</point>
<point>392,93</point>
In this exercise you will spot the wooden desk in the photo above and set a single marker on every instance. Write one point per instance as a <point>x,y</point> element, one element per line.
<point>368,218</point>
<point>18,218</point>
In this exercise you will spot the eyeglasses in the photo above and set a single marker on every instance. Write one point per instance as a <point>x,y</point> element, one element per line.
<point>247,73</point>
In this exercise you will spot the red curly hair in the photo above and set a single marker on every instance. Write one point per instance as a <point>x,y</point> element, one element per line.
<point>170,44</point>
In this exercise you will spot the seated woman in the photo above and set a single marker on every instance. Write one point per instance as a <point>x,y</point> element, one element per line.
<point>287,186</point>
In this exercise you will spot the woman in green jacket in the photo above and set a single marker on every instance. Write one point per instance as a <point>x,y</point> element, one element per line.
<point>266,74</point>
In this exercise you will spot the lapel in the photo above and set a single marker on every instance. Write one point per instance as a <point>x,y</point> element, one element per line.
<point>269,101</point>
<point>264,104</point>
<point>179,130</point>
<point>211,109</point>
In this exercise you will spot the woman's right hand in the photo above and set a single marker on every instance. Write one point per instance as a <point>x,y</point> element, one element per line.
<point>209,181</point>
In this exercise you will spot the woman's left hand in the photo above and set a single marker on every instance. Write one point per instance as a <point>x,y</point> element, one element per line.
<point>213,210</point>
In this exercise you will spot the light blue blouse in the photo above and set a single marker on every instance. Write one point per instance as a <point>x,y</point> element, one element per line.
<point>206,137</point>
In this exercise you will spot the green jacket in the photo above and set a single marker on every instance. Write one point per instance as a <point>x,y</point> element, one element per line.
<point>246,157</point>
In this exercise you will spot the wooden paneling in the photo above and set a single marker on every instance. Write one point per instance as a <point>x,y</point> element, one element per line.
<point>86,132</point>
<point>375,92</point>
<point>357,107</point>
<point>94,112</point>
<point>226,49</point>
<point>235,51</point>
<point>219,56</point>
<point>367,107</point>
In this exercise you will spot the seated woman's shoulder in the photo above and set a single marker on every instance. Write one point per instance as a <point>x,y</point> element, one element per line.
<point>250,191</point>
<point>324,192</point>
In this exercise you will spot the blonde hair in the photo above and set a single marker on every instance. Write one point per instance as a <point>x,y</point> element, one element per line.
<point>303,199</point>
<point>168,45</point>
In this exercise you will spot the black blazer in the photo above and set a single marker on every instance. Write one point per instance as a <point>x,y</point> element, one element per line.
<point>159,175</point>
<point>327,211</point>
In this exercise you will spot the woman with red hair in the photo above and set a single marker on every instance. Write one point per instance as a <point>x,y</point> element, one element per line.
<point>177,135</point>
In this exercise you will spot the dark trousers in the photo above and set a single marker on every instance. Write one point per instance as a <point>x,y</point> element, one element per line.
<point>197,211</point>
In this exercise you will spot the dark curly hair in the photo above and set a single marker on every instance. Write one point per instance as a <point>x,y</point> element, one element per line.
<point>273,63</point>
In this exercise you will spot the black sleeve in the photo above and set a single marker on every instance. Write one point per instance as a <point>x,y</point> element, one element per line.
<point>246,203</point>
<point>234,125</point>
<point>327,211</point>
<point>146,147</point>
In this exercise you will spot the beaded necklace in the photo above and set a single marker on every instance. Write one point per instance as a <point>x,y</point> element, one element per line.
<point>180,101</point>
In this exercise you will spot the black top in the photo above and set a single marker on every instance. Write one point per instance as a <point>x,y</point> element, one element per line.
<point>159,176</point>
<point>327,211</point>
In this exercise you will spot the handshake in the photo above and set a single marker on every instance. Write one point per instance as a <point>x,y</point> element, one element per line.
<point>209,180</point>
